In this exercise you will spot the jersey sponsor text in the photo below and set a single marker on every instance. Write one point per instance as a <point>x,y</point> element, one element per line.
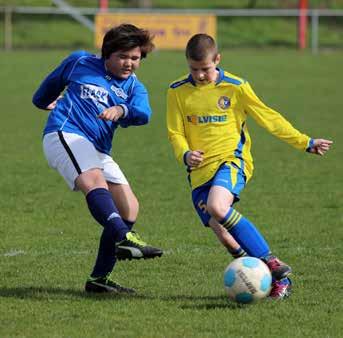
<point>196,119</point>
<point>94,92</point>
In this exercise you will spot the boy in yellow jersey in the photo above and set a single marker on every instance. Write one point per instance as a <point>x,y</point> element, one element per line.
<point>206,119</point>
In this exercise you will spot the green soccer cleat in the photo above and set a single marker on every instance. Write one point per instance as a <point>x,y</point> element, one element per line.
<point>105,284</point>
<point>132,247</point>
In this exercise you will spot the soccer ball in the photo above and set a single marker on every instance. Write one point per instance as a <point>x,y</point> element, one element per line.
<point>247,280</point>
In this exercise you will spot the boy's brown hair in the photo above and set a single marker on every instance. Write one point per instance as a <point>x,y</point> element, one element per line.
<point>126,37</point>
<point>200,46</point>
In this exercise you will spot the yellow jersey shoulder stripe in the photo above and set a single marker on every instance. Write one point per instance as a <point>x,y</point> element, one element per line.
<point>233,79</point>
<point>179,82</point>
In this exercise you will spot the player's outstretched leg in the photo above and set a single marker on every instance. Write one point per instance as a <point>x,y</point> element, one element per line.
<point>106,285</point>
<point>281,289</point>
<point>253,243</point>
<point>132,247</point>
<point>279,269</point>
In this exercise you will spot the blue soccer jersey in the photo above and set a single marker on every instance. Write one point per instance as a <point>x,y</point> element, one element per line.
<point>90,89</point>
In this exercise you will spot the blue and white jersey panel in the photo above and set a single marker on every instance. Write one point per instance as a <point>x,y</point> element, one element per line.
<point>89,90</point>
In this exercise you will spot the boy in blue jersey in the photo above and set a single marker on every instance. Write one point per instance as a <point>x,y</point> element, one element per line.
<point>206,119</point>
<point>101,94</point>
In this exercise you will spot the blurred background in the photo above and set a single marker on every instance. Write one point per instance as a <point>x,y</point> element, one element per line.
<point>239,23</point>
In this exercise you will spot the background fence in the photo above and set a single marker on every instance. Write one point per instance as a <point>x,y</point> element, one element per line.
<point>49,27</point>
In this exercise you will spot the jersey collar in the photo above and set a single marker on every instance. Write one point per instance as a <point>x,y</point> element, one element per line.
<point>220,77</point>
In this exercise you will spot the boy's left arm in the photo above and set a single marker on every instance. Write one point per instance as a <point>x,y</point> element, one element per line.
<point>137,110</point>
<point>277,125</point>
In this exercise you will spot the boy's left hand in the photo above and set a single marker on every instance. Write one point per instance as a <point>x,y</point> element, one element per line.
<point>53,104</point>
<point>320,146</point>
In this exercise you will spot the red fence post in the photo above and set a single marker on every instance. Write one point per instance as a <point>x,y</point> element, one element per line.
<point>302,24</point>
<point>103,5</point>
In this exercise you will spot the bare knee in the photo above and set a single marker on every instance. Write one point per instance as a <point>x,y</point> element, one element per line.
<point>219,202</point>
<point>125,200</point>
<point>218,210</point>
<point>90,180</point>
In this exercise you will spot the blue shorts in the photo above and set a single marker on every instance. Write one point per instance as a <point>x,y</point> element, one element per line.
<point>229,176</point>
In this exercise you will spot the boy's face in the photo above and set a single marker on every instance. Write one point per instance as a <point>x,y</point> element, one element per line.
<point>123,63</point>
<point>204,71</point>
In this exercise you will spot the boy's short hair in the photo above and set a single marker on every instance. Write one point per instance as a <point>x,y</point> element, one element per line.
<point>125,37</point>
<point>200,46</point>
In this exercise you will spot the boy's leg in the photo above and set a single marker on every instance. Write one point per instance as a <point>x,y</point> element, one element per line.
<point>126,202</point>
<point>131,247</point>
<point>103,209</point>
<point>226,187</point>
<point>105,212</point>
<point>241,229</point>
<point>200,196</point>
<point>226,239</point>
<point>252,241</point>
<point>120,189</point>
<point>78,162</point>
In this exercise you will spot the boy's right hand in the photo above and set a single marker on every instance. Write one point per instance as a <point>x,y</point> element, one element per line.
<point>53,104</point>
<point>194,158</point>
<point>113,113</point>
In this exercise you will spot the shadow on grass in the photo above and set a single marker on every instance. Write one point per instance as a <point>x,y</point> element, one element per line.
<point>227,305</point>
<point>41,293</point>
<point>46,293</point>
<point>203,302</point>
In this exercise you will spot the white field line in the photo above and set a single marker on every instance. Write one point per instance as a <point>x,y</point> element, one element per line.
<point>13,253</point>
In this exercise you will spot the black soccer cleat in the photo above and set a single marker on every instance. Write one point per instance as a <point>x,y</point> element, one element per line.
<point>106,285</point>
<point>132,247</point>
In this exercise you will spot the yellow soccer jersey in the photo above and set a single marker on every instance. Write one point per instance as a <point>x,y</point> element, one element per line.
<point>213,118</point>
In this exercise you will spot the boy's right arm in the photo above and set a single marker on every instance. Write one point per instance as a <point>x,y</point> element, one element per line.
<point>52,86</point>
<point>176,130</point>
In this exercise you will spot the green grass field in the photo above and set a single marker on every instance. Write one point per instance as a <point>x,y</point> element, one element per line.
<point>48,240</point>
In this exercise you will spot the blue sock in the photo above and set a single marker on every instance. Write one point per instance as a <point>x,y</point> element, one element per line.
<point>103,209</point>
<point>129,224</point>
<point>246,234</point>
<point>106,258</point>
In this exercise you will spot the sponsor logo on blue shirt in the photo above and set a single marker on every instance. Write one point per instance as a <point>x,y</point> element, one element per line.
<point>94,93</point>
<point>119,92</point>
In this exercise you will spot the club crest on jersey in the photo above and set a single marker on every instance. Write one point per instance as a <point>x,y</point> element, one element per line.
<point>119,92</point>
<point>224,102</point>
<point>195,119</point>
<point>94,92</point>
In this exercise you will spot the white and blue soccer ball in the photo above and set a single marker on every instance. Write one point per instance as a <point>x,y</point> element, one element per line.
<point>247,280</point>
